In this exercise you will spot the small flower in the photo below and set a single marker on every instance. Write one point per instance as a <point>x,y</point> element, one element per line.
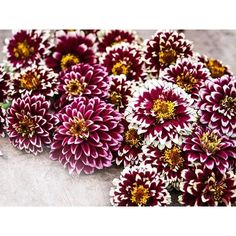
<point>29,124</point>
<point>139,186</point>
<point>209,148</point>
<point>204,187</point>
<point>217,107</point>
<point>82,80</point>
<point>88,133</point>
<point>71,50</point>
<point>162,112</point>
<point>124,59</point>
<point>163,50</point>
<point>27,47</point>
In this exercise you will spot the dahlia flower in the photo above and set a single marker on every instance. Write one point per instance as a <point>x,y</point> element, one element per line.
<point>162,112</point>
<point>88,132</point>
<point>204,187</point>
<point>124,59</point>
<point>163,50</point>
<point>139,186</point>
<point>27,47</point>
<point>217,107</point>
<point>29,124</point>
<point>70,50</point>
<point>82,80</point>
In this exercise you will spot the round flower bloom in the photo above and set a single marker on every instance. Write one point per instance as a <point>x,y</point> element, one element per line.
<point>112,37</point>
<point>209,148</point>
<point>204,187</point>
<point>82,80</point>
<point>124,59</point>
<point>214,66</point>
<point>139,186</point>
<point>89,131</point>
<point>130,150</point>
<point>217,107</point>
<point>29,123</point>
<point>34,80</point>
<point>70,50</point>
<point>120,91</point>
<point>163,50</point>
<point>27,47</point>
<point>187,74</point>
<point>162,112</point>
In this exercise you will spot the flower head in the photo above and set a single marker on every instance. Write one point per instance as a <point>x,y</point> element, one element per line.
<point>88,132</point>
<point>139,186</point>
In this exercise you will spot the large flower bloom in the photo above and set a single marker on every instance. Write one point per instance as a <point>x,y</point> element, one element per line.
<point>34,80</point>
<point>188,74</point>
<point>163,50</point>
<point>204,187</point>
<point>27,47</point>
<point>209,148</point>
<point>217,107</point>
<point>89,131</point>
<point>112,37</point>
<point>139,186</point>
<point>29,124</point>
<point>130,150</point>
<point>162,112</point>
<point>124,59</point>
<point>82,80</point>
<point>70,50</point>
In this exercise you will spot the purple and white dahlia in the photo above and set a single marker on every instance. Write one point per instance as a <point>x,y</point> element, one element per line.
<point>204,187</point>
<point>29,123</point>
<point>163,50</point>
<point>162,112</point>
<point>88,132</point>
<point>217,105</point>
<point>82,80</point>
<point>139,186</point>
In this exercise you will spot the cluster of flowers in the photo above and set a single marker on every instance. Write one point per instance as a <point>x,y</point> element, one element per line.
<point>97,98</point>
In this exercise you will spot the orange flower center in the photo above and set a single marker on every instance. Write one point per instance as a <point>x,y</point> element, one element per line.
<point>186,81</point>
<point>115,98</point>
<point>163,109</point>
<point>210,142</point>
<point>120,67</point>
<point>23,50</point>
<point>167,57</point>
<point>26,127</point>
<point>74,87</point>
<point>132,137</point>
<point>139,194</point>
<point>229,103</point>
<point>30,81</point>
<point>69,60</point>
<point>173,157</point>
<point>79,128</point>
<point>216,68</point>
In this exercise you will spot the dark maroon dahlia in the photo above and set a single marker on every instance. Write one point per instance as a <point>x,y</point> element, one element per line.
<point>82,80</point>
<point>204,187</point>
<point>188,75</point>
<point>27,47</point>
<point>113,37</point>
<point>163,50</point>
<point>120,91</point>
<point>29,123</point>
<point>2,121</point>
<point>217,105</point>
<point>130,150</point>
<point>71,50</point>
<point>208,147</point>
<point>89,131</point>
<point>34,80</point>
<point>124,59</point>
<point>139,186</point>
<point>162,112</point>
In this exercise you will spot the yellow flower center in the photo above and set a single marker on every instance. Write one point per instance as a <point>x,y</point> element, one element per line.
<point>216,68</point>
<point>30,81</point>
<point>23,50</point>
<point>229,103</point>
<point>186,81</point>
<point>26,127</point>
<point>74,87</point>
<point>115,98</point>
<point>79,128</point>
<point>139,194</point>
<point>167,57</point>
<point>217,191</point>
<point>163,109</point>
<point>210,142</point>
<point>132,137</point>
<point>69,60</point>
<point>120,67</point>
<point>173,157</point>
